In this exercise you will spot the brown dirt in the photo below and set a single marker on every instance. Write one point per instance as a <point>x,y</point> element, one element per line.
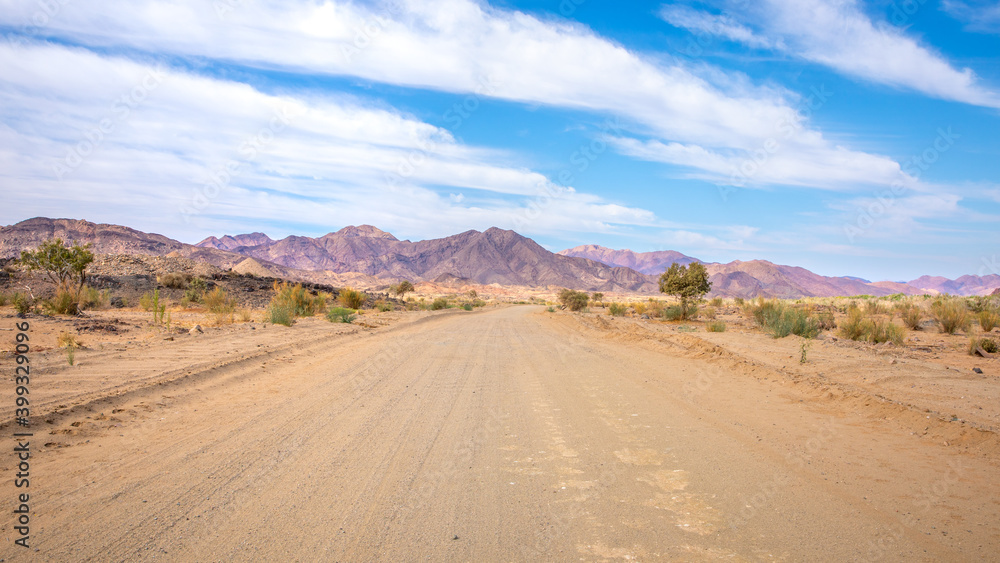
<point>504,434</point>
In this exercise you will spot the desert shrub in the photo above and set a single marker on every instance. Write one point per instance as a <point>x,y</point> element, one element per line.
<point>876,330</point>
<point>988,345</point>
<point>951,314</point>
<point>4,299</point>
<point>709,312</point>
<point>352,298</point>
<point>551,310</point>
<point>383,306</point>
<point>91,298</point>
<point>654,308</point>
<point>617,309</point>
<point>780,320</point>
<point>175,280</point>
<point>297,299</point>
<point>439,303</point>
<point>70,343</point>
<point>739,301</point>
<point>873,307</point>
<point>989,319</point>
<point>672,313</point>
<point>64,303</point>
<point>825,320</point>
<point>340,315</point>
<point>281,314</point>
<point>911,314</point>
<point>467,307</point>
<point>220,304</point>
<point>640,308</point>
<point>478,303</point>
<point>979,303</point>
<point>716,302</point>
<point>716,326</point>
<point>22,303</point>
<point>573,300</point>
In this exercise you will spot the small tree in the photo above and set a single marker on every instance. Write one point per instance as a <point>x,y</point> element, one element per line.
<point>686,282</point>
<point>402,288</point>
<point>573,300</point>
<point>64,266</point>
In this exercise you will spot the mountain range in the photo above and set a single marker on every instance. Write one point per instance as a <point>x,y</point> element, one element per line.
<point>366,254</point>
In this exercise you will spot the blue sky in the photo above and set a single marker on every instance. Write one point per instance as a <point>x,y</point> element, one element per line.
<point>847,137</point>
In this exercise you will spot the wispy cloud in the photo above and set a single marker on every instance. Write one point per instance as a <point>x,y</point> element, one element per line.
<point>977,15</point>
<point>455,45</point>
<point>838,34</point>
<point>88,135</point>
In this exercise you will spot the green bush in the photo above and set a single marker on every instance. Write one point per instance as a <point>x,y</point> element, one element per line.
<point>297,299</point>
<point>281,314</point>
<point>780,320</point>
<point>91,298</point>
<point>989,319</point>
<point>340,315</point>
<point>439,303</point>
<point>22,303</point>
<point>716,326</point>
<point>952,315</point>
<point>672,313</point>
<point>617,309</point>
<point>875,330</point>
<point>64,303</point>
<point>574,300</point>
<point>716,302</point>
<point>739,301</point>
<point>383,306</point>
<point>551,309</point>
<point>352,298</point>
<point>467,306</point>
<point>987,344</point>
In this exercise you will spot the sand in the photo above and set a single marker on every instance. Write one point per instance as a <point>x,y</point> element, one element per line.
<point>506,434</point>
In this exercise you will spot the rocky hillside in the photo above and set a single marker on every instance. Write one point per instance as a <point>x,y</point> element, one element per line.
<point>649,263</point>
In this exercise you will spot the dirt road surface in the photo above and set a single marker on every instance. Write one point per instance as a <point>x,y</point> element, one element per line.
<point>510,434</point>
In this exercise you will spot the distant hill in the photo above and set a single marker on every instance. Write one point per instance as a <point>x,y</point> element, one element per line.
<point>365,255</point>
<point>649,263</point>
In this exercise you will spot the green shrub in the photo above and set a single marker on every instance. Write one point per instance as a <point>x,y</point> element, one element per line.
<point>340,315</point>
<point>951,314</point>
<point>911,314</point>
<point>551,309</point>
<point>716,302</point>
<point>780,320</point>
<point>716,326</point>
<point>297,299</point>
<point>739,301</point>
<point>439,303</point>
<point>672,313</point>
<point>574,300</point>
<point>383,306</point>
<point>467,306</point>
<point>91,298</point>
<point>281,314</point>
<point>875,330</point>
<point>989,319</point>
<point>351,298</point>
<point>22,303</point>
<point>987,344</point>
<point>708,312</point>
<point>64,303</point>
<point>617,309</point>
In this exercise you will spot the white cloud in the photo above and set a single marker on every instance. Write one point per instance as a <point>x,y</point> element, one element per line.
<point>721,25</point>
<point>84,135</point>
<point>461,46</point>
<point>838,34</point>
<point>977,15</point>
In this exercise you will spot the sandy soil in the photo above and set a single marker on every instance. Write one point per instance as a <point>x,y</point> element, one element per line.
<point>508,434</point>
